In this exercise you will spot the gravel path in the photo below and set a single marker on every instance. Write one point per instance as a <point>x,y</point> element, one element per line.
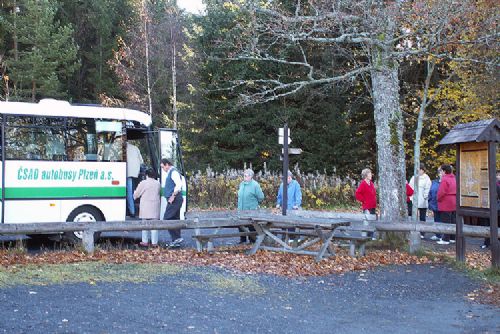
<point>412,299</point>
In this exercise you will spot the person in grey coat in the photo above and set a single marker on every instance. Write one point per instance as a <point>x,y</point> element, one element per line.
<point>149,208</point>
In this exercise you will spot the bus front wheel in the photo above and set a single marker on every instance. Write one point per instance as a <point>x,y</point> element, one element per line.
<point>83,214</point>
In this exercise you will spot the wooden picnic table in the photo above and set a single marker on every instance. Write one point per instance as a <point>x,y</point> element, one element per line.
<point>313,232</point>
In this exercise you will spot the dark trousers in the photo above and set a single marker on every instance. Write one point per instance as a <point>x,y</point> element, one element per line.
<point>422,214</point>
<point>448,217</point>
<point>485,222</point>
<point>243,239</point>
<point>409,205</point>
<point>173,212</point>
<point>437,218</point>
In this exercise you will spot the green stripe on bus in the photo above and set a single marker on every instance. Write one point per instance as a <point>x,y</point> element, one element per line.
<point>64,192</point>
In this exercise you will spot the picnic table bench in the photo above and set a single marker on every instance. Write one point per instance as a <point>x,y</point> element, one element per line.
<point>316,232</point>
<point>205,241</point>
<point>288,234</point>
<point>357,236</point>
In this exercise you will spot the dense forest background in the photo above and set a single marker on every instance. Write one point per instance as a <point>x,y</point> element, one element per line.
<point>149,54</point>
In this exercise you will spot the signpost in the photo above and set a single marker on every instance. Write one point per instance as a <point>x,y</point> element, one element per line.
<point>285,140</point>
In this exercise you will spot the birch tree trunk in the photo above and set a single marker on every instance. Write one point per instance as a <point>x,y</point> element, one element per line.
<point>418,135</point>
<point>146,46</point>
<point>389,138</point>
<point>174,80</point>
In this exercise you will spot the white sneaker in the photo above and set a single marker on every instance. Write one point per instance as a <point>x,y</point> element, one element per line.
<point>452,241</point>
<point>434,238</point>
<point>422,237</point>
<point>177,243</point>
<point>442,242</point>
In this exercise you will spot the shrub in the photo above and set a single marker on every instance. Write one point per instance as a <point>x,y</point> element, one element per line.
<point>220,190</point>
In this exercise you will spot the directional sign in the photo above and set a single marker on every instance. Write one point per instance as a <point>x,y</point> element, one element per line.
<point>292,151</point>
<point>281,134</point>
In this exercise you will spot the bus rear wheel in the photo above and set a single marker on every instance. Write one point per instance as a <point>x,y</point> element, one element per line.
<point>82,214</point>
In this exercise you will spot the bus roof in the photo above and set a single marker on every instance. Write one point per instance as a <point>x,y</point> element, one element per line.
<point>57,108</point>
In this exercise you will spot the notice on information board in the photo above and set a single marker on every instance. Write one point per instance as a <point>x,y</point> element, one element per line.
<point>474,190</point>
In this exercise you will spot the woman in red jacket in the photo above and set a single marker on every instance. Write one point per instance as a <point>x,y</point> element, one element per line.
<point>366,193</point>
<point>447,201</point>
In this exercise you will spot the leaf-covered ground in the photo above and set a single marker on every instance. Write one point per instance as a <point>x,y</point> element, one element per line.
<point>233,258</point>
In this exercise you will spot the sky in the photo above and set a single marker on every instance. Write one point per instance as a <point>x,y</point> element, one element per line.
<point>192,6</point>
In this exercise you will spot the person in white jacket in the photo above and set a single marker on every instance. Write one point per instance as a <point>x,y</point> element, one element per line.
<point>424,185</point>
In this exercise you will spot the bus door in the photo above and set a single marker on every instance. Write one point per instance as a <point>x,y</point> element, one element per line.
<point>170,148</point>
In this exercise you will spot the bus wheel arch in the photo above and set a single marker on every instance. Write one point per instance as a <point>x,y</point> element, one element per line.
<point>84,213</point>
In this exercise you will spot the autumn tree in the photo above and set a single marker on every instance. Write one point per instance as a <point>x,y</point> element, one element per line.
<point>149,60</point>
<point>464,40</point>
<point>375,36</point>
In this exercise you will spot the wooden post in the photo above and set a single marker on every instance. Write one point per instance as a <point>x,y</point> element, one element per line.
<point>459,236</point>
<point>199,245</point>
<point>494,244</point>
<point>414,241</point>
<point>284,197</point>
<point>88,240</point>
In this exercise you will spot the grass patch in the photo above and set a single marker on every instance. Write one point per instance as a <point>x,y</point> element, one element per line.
<point>428,253</point>
<point>490,275</point>
<point>83,272</point>
<point>236,285</point>
<point>390,240</point>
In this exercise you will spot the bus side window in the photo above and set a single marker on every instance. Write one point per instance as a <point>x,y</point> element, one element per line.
<point>110,140</point>
<point>34,138</point>
<point>81,140</point>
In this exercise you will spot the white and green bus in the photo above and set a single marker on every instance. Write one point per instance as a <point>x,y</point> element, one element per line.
<point>63,162</point>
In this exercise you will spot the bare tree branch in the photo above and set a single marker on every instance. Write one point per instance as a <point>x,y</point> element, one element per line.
<point>270,89</point>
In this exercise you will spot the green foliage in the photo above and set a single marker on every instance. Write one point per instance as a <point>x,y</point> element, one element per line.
<point>98,27</point>
<point>333,125</point>
<point>45,56</point>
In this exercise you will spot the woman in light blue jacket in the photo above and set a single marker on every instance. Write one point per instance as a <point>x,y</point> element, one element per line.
<point>294,194</point>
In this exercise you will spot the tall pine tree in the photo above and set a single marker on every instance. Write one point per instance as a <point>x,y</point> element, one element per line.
<point>43,54</point>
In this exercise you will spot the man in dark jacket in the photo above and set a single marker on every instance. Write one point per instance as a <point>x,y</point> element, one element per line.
<point>433,201</point>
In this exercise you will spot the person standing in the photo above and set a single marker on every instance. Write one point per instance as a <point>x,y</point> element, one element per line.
<point>409,193</point>
<point>366,193</point>
<point>294,194</point>
<point>149,208</point>
<point>424,185</point>
<point>134,161</point>
<point>172,192</point>
<point>294,198</point>
<point>447,202</point>
<point>249,196</point>
<point>433,202</point>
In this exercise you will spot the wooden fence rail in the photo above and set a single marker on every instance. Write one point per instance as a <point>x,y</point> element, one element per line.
<point>89,228</point>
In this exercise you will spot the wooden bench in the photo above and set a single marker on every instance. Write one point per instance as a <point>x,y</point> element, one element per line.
<point>205,241</point>
<point>355,241</point>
